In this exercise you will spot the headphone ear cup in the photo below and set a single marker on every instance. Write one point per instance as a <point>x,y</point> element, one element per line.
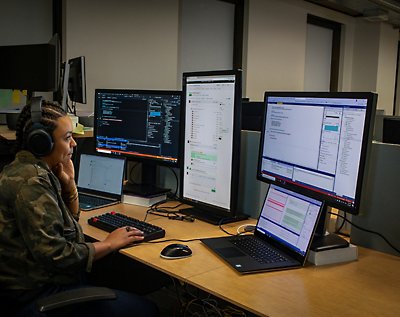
<point>40,142</point>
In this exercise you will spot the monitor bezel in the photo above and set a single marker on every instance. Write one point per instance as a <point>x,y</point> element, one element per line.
<point>223,213</point>
<point>138,157</point>
<point>330,201</point>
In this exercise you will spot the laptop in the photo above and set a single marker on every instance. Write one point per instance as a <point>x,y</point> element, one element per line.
<point>100,181</point>
<point>286,225</point>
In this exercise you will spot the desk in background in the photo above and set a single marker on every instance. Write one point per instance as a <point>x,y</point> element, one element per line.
<point>367,287</point>
<point>9,135</point>
<point>7,141</point>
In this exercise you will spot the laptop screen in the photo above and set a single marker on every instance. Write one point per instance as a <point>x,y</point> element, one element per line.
<point>289,217</point>
<point>101,173</point>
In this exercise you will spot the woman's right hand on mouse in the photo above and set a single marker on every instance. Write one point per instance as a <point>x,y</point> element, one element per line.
<point>117,239</point>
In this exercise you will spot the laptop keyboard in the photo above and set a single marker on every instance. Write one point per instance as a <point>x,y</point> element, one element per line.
<point>93,200</point>
<point>257,249</point>
<point>113,220</point>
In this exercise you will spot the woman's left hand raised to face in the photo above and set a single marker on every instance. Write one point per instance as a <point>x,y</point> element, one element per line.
<point>65,172</point>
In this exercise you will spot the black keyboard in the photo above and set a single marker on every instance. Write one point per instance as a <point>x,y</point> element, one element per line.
<point>113,220</point>
<point>257,249</point>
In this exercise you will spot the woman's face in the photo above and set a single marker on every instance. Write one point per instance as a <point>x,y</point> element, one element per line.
<point>63,143</point>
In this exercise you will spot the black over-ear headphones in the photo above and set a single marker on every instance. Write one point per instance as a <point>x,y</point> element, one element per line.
<point>39,140</point>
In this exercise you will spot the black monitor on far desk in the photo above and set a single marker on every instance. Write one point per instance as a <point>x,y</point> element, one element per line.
<point>391,129</point>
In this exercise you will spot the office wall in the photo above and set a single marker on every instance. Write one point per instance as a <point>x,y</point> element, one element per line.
<point>387,59</point>
<point>375,54</point>
<point>277,32</point>
<point>206,38</point>
<point>25,22</point>
<point>276,47</point>
<point>127,44</point>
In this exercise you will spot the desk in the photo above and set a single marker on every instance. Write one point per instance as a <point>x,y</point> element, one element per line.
<point>367,287</point>
<point>9,135</point>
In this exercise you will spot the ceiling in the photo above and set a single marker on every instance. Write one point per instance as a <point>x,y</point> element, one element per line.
<point>387,11</point>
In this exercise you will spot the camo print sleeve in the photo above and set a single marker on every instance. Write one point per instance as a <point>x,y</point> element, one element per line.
<point>49,233</point>
<point>40,241</point>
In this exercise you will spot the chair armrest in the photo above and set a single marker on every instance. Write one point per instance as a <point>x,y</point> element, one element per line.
<point>74,296</point>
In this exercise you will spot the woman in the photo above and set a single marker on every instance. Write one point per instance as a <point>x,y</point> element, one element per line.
<point>42,248</point>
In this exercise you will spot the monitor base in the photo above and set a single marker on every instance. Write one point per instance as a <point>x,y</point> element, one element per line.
<point>328,242</point>
<point>210,218</point>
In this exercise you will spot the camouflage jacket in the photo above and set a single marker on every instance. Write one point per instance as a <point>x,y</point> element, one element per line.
<point>40,241</point>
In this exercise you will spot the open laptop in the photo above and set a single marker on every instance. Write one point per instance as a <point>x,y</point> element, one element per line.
<point>100,181</point>
<point>286,224</point>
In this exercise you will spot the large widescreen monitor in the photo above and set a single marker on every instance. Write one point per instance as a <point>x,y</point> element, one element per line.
<point>316,143</point>
<point>34,67</point>
<point>142,125</point>
<point>211,144</point>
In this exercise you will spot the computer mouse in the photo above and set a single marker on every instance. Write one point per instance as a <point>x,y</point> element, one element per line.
<point>176,251</point>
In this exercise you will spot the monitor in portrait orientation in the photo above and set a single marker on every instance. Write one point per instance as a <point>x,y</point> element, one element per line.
<point>74,83</point>
<point>33,67</point>
<point>211,144</point>
<point>77,79</point>
<point>316,143</point>
<point>142,125</point>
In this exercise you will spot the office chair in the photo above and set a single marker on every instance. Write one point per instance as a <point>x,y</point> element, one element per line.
<point>70,298</point>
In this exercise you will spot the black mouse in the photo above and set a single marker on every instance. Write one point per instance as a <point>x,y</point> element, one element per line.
<point>176,251</point>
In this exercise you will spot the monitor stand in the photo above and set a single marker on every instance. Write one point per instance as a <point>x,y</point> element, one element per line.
<point>210,217</point>
<point>147,187</point>
<point>326,241</point>
<point>144,190</point>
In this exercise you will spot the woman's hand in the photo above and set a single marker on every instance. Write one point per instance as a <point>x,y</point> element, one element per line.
<point>65,172</point>
<point>123,236</point>
<point>117,239</point>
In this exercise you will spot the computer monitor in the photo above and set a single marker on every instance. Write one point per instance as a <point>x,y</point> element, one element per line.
<point>391,129</point>
<point>142,125</point>
<point>211,144</point>
<point>74,83</point>
<point>316,143</point>
<point>77,79</point>
<point>34,67</point>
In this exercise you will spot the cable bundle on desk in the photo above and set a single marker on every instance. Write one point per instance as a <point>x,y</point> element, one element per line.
<point>168,212</point>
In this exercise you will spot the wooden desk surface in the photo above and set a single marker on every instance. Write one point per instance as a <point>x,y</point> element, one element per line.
<point>149,253</point>
<point>369,286</point>
<point>9,135</point>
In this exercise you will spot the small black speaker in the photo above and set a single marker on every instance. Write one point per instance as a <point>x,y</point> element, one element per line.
<point>39,140</point>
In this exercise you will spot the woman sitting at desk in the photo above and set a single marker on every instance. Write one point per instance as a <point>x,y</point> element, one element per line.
<point>42,247</point>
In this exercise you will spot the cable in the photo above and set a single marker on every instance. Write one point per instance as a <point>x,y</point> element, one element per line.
<point>369,231</point>
<point>220,226</point>
<point>246,228</point>
<point>170,214</point>
<point>337,231</point>
<point>169,240</point>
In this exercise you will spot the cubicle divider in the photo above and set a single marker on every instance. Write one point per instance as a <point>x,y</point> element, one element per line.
<point>380,205</point>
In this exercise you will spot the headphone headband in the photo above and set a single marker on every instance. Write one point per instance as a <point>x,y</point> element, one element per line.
<point>36,109</point>
<point>39,140</point>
